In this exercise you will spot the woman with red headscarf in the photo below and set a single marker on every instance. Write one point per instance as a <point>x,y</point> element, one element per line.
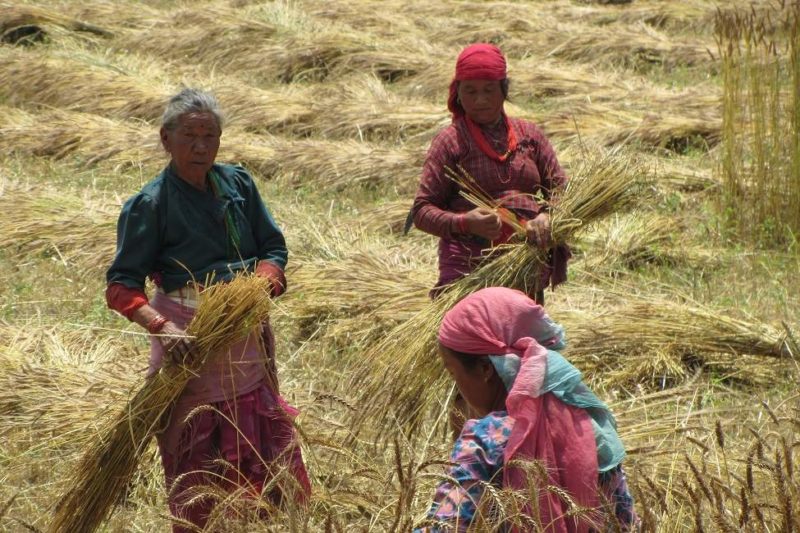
<point>511,160</point>
<point>532,405</point>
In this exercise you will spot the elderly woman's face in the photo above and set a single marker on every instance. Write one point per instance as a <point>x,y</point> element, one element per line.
<point>482,100</point>
<point>193,145</point>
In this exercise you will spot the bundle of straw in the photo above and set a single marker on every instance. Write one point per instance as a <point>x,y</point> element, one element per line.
<point>405,378</point>
<point>227,312</point>
<point>94,86</point>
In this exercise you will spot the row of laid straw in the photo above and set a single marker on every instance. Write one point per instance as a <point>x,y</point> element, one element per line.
<point>323,164</point>
<point>537,33</point>
<point>55,383</point>
<point>359,107</point>
<point>13,15</point>
<point>326,164</point>
<point>78,230</point>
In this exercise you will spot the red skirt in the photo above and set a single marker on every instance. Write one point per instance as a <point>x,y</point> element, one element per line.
<point>254,437</point>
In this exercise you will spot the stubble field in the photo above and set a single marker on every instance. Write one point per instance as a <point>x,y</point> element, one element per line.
<point>684,329</point>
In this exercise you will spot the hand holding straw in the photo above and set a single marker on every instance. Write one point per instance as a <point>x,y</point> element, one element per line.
<point>405,380</point>
<point>227,312</point>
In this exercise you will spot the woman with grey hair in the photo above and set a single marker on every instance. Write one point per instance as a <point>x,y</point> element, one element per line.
<point>205,221</point>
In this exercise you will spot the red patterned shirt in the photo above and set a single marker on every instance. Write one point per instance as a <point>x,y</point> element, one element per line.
<point>532,169</point>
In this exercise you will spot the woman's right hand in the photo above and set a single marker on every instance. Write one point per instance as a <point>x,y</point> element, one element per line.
<point>483,223</point>
<point>180,346</point>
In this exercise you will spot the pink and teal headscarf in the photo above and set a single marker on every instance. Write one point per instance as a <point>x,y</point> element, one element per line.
<point>546,398</point>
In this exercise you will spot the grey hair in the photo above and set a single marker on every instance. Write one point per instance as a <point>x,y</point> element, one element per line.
<point>191,101</point>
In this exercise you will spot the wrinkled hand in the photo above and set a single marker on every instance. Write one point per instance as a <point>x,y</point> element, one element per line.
<point>538,231</point>
<point>274,274</point>
<point>483,223</point>
<point>180,347</point>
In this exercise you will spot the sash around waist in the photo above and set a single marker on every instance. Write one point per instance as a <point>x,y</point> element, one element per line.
<point>237,370</point>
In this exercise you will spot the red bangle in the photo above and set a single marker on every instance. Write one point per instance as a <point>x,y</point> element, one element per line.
<point>157,324</point>
<point>461,222</point>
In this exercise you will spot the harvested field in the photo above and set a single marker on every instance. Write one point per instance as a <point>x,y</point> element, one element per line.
<point>689,333</point>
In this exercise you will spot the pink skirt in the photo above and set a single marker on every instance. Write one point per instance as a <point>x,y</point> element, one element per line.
<point>255,437</point>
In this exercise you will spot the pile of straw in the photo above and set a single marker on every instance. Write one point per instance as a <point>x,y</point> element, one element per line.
<point>358,298</point>
<point>629,241</point>
<point>227,312</point>
<point>363,107</point>
<point>389,216</point>
<point>608,125</point>
<point>55,383</point>
<point>405,378</point>
<point>331,165</point>
<point>60,134</point>
<point>87,83</point>
<point>77,230</point>
<point>653,340</point>
<point>95,140</point>
<point>13,15</point>
<point>234,45</point>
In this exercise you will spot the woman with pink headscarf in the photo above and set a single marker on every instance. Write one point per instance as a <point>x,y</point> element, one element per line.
<point>511,160</point>
<point>501,349</point>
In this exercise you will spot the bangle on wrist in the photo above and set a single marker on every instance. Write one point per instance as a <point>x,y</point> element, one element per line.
<point>156,324</point>
<point>461,224</point>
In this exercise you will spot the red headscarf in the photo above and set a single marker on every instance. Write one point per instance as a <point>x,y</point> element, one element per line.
<point>500,321</point>
<point>480,61</point>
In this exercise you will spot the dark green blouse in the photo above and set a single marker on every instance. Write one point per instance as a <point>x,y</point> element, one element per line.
<point>174,232</point>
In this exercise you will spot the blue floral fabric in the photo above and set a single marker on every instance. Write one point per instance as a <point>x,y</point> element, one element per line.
<point>478,460</point>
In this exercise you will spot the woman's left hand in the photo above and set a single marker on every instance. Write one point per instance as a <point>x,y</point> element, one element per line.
<point>538,230</point>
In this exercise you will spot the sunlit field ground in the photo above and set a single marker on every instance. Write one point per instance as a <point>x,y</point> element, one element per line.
<point>683,328</point>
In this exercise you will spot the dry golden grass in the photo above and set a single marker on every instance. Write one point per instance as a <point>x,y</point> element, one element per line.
<point>56,382</point>
<point>33,78</point>
<point>94,140</point>
<point>657,341</point>
<point>627,242</point>
<point>611,127</point>
<point>79,231</point>
<point>266,49</point>
<point>342,97</point>
<point>60,134</point>
<point>36,78</point>
<point>13,15</point>
<point>362,107</point>
<point>739,474</point>
<point>353,277</point>
<point>388,216</point>
<point>336,165</point>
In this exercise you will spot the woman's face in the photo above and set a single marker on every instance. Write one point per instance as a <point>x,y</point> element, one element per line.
<point>193,145</point>
<point>482,100</point>
<point>480,385</point>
